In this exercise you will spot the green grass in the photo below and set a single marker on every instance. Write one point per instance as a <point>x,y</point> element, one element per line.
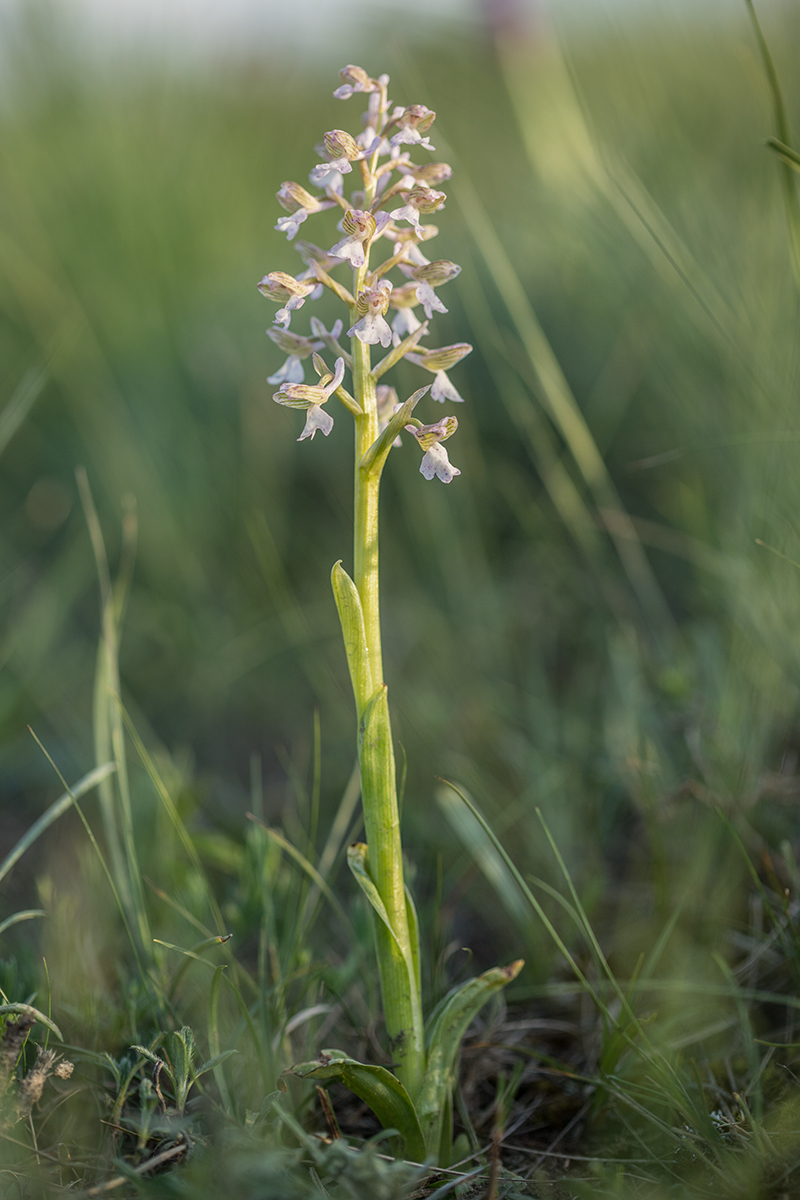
<point>583,624</point>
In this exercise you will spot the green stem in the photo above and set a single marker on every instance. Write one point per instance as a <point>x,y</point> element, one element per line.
<point>402,1003</point>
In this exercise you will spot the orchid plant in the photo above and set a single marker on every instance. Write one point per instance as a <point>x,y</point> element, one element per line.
<point>393,197</point>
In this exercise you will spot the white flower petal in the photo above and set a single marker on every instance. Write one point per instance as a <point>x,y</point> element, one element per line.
<point>291,223</point>
<point>328,175</point>
<point>429,300</point>
<point>411,137</point>
<point>407,213</point>
<point>291,372</point>
<point>404,323</point>
<point>443,389</point>
<point>316,419</point>
<point>436,462</point>
<point>372,329</point>
<point>338,376</point>
<point>351,248</point>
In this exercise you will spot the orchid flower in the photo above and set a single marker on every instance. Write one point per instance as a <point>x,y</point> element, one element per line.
<point>299,204</point>
<point>429,276</point>
<point>371,306</point>
<point>419,199</point>
<point>435,460</point>
<point>279,286</point>
<point>438,362</point>
<point>413,122</point>
<point>312,397</point>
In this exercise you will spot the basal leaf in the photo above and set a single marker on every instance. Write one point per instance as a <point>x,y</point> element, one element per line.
<point>447,1031</point>
<point>378,1088</point>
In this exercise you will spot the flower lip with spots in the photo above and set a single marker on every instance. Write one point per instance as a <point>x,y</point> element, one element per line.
<point>311,397</point>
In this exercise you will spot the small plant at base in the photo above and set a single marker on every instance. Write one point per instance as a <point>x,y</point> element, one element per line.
<point>416,1100</point>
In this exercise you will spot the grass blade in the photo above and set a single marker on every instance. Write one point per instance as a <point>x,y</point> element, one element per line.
<point>56,809</point>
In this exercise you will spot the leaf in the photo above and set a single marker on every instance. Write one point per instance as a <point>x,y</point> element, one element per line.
<point>30,1011</point>
<point>378,1088</point>
<point>348,604</point>
<point>375,750</point>
<point>214,1062</point>
<point>413,933</point>
<point>447,1032</point>
<point>357,861</point>
<point>378,452</point>
<point>26,914</point>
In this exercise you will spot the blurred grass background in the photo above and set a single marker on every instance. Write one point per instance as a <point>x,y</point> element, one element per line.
<point>627,677</point>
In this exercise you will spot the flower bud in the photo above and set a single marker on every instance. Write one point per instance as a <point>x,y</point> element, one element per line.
<point>339,144</point>
<point>293,197</point>
<point>356,77</point>
<point>437,273</point>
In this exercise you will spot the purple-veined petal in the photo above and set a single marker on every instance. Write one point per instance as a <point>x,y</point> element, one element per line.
<point>316,419</point>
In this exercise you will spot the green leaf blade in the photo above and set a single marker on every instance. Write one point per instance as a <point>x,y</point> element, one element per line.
<point>378,1088</point>
<point>351,617</point>
<point>447,1032</point>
